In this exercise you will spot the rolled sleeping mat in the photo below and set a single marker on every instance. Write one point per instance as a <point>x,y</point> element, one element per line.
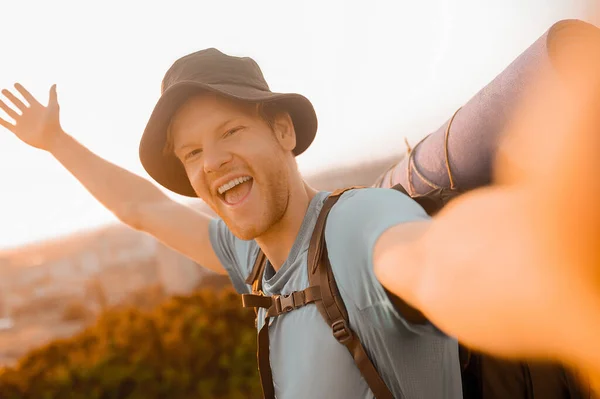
<point>460,154</point>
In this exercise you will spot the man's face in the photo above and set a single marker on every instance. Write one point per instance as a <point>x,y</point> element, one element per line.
<point>235,161</point>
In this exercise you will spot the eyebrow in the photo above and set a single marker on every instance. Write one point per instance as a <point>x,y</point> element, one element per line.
<point>219,127</point>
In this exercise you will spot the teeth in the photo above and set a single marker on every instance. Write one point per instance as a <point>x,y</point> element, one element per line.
<point>232,183</point>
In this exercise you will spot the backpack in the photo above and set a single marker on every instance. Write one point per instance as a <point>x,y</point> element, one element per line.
<point>483,376</point>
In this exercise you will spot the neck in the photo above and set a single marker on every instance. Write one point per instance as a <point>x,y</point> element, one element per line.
<point>278,241</point>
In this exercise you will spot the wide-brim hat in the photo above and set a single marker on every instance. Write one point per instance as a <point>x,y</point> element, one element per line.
<point>210,70</point>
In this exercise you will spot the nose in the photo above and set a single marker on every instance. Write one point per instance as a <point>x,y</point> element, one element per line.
<point>214,158</point>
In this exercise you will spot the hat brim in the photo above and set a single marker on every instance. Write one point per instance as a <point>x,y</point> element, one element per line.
<point>168,171</point>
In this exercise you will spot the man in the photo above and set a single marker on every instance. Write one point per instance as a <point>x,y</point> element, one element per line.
<point>219,133</point>
<point>517,241</point>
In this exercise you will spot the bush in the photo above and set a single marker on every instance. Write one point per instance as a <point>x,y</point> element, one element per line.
<point>146,298</point>
<point>213,281</point>
<point>76,311</point>
<point>198,346</point>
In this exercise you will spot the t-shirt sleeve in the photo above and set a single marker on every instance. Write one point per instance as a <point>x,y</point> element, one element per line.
<point>353,227</point>
<point>236,256</point>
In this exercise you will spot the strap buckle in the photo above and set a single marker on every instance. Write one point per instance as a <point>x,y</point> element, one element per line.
<point>284,303</point>
<point>341,331</point>
<point>257,300</point>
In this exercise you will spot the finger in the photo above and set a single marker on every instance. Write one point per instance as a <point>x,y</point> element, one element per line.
<point>579,156</point>
<point>532,140</point>
<point>26,95</point>
<point>15,100</point>
<point>53,100</point>
<point>540,131</point>
<point>9,111</point>
<point>578,172</point>
<point>7,125</point>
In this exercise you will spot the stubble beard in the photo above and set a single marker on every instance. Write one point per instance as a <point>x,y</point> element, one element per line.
<point>274,190</point>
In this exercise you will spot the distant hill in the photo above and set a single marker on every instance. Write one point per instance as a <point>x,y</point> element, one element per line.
<point>356,175</point>
<point>61,247</point>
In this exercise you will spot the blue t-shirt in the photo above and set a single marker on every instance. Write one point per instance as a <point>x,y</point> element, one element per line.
<point>416,362</point>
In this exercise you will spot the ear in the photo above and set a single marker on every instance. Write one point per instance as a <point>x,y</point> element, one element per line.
<point>283,127</point>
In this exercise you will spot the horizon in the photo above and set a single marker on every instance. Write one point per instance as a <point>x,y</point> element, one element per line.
<point>375,74</point>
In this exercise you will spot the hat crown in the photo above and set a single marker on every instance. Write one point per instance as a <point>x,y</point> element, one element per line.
<point>211,66</point>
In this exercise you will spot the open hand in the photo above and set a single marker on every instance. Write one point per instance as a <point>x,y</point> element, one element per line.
<point>35,124</point>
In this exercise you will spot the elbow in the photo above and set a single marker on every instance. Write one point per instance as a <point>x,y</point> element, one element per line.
<point>131,215</point>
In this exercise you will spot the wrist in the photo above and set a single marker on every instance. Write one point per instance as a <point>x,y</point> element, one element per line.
<point>55,141</point>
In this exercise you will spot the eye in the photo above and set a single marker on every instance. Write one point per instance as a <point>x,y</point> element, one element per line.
<point>232,131</point>
<point>192,153</point>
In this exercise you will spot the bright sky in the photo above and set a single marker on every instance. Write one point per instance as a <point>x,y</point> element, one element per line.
<point>375,71</point>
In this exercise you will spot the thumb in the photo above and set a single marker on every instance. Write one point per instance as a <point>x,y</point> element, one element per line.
<point>53,100</point>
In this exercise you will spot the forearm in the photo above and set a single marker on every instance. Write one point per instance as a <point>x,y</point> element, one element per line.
<point>119,190</point>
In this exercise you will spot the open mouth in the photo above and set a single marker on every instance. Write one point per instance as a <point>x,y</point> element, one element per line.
<point>236,190</point>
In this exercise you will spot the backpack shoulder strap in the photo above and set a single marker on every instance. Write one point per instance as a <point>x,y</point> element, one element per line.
<point>275,305</point>
<point>331,305</point>
<point>255,277</point>
<point>256,300</point>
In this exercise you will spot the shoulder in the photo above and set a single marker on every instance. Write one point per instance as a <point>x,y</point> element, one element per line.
<point>371,205</point>
<point>353,227</point>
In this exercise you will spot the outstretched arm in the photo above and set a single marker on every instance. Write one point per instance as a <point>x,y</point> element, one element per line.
<point>131,198</point>
<point>512,269</point>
